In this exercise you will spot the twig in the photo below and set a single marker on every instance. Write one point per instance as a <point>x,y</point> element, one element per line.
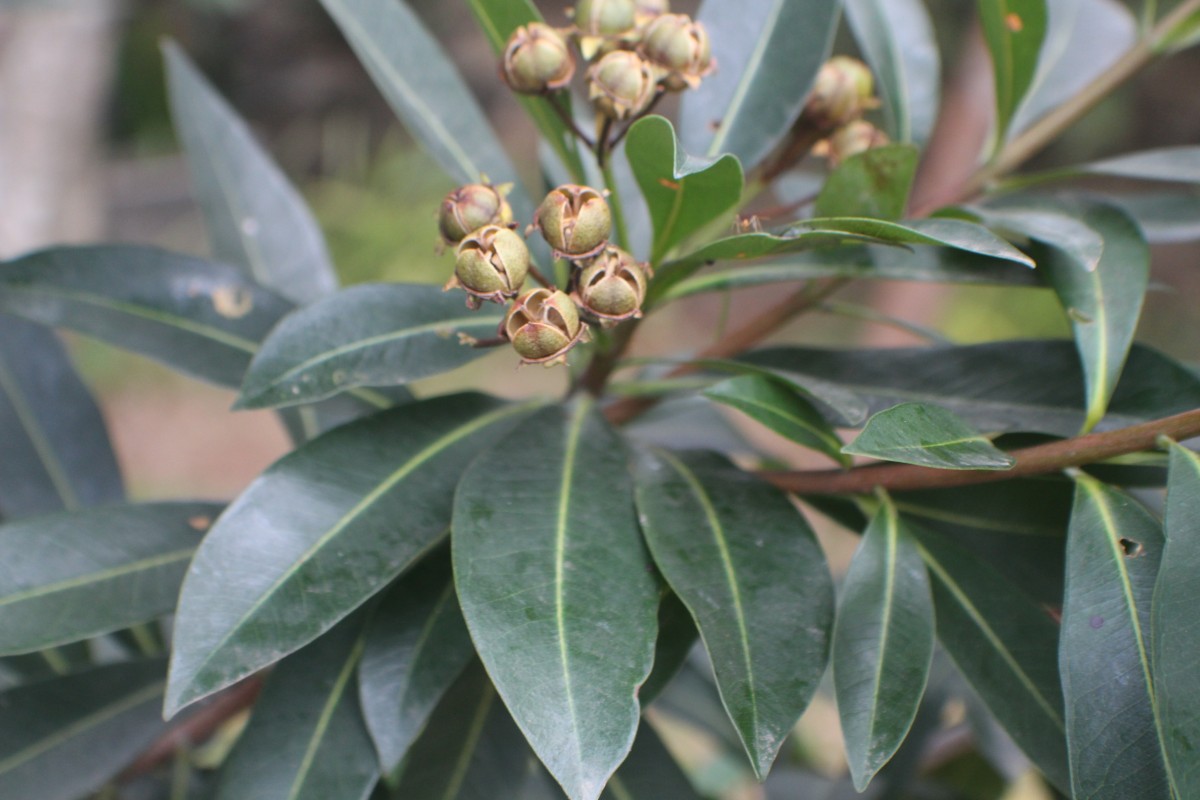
<point>540,278</point>
<point>645,112</point>
<point>565,116</point>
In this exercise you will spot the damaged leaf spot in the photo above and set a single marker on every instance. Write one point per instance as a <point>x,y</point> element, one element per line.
<point>668,184</point>
<point>1132,548</point>
<point>232,302</point>
<point>200,522</point>
<point>1014,23</point>
<point>1097,622</point>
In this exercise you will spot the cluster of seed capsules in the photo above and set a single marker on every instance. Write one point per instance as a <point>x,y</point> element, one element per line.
<point>843,91</point>
<point>607,285</point>
<point>636,50</point>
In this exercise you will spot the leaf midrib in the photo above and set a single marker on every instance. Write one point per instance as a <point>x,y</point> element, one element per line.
<point>38,438</point>
<point>159,560</point>
<point>328,708</point>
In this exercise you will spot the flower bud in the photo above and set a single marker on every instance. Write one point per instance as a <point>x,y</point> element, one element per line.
<point>681,47</point>
<point>604,17</point>
<point>646,10</point>
<point>470,207</point>
<point>537,60</point>
<point>574,221</point>
<point>843,90</point>
<point>543,325</point>
<point>612,287</point>
<point>621,84</point>
<point>491,265</point>
<point>849,140</point>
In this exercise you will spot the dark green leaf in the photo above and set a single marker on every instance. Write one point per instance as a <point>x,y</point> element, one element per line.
<point>882,644</point>
<point>874,183</point>
<point>1014,30</point>
<point>1000,386</point>
<point>1174,639</point>
<point>1174,164</point>
<point>676,635</point>
<point>470,750</point>
<point>306,739</point>
<point>417,644</point>
<point>558,590</point>
<point>782,409</point>
<point>322,530</point>
<point>255,218</point>
<point>197,316</point>
<point>1005,645</point>
<point>373,334</point>
<point>306,422</point>
<point>747,566</point>
<point>56,450</point>
<point>693,698</point>
<point>650,773</point>
<point>955,233</point>
<point>425,90</point>
<point>931,436</point>
<point>769,52</point>
<point>841,408</point>
<point>1065,232</point>
<point>1164,217</point>
<point>687,422</point>
<point>1113,726</point>
<point>71,575</point>
<point>498,19</point>
<point>896,37</point>
<point>683,193</point>
<point>64,737</point>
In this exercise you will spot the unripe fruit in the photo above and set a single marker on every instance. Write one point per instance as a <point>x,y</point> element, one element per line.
<point>612,287</point>
<point>470,207</point>
<point>574,220</point>
<point>622,84</point>
<point>849,140</point>
<point>537,59</point>
<point>842,91</point>
<point>681,47</point>
<point>604,17</point>
<point>647,10</point>
<point>543,325</point>
<point>491,264</point>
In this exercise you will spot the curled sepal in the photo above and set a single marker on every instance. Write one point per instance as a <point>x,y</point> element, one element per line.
<point>681,47</point>
<point>468,208</point>
<point>621,84</point>
<point>491,265</point>
<point>612,287</point>
<point>537,59</point>
<point>575,221</point>
<point>543,325</point>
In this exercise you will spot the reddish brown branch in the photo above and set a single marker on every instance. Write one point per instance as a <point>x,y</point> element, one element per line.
<point>1039,460</point>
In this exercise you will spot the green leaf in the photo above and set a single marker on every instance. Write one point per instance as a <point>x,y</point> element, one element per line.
<point>1113,724</point>
<point>953,233</point>
<point>202,318</point>
<point>558,591</point>
<point>650,773</point>
<point>372,334</point>
<point>927,435</point>
<point>882,644</point>
<point>1173,164</point>
<point>471,748</point>
<point>56,450</point>
<point>936,264</point>
<point>71,575</point>
<point>62,738</point>
<point>676,635</point>
<point>1014,30</point>
<point>683,193</point>
<point>254,216</point>
<point>1023,385</point>
<point>498,19</point>
<point>306,739</point>
<point>693,699</point>
<point>747,566</point>
<point>874,183</point>
<point>840,407</point>
<point>1103,305</point>
<point>1183,35</point>
<point>1005,645</point>
<point>1174,639</point>
<point>769,52</point>
<point>1164,217</point>
<point>417,644</point>
<point>318,533</point>
<point>425,90</point>
<point>897,39</point>
<point>782,409</point>
<point>1065,232</point>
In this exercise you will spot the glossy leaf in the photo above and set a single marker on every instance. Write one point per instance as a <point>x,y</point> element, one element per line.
<point>954,233</point>
<point>255,218</point>
<point>202,318</point>
<point>874,183</point>
<point>1164,217</point>
<point>471,748</point>
<point>372,334</point>
<point>1073,238</point>
<point>882,644</point>
<point>62,738</point>
<point>318,533</point>
<point>688,421</point>
<point>57,454</point>
<point>780,408</point>
<point>558,591</point>
<point>769,52</point>
<point>1005,645</point>
<point>683,193</point>
<point>747,566</point>
<point>71,575</point>
<point>1022,385</point>
<point>498,19</point>
<point>897,39</point>
<point>650,773</point>
<point>424,88</point>
<point>1014,31</point>
<point>1174,164</point>
<point>1113,724</point>
<point>840,407</point>
<point>306,739</point>
<point>927,435</point>
<point>1103,305</point>
<point>1175,631</point>
<point>416,645</point>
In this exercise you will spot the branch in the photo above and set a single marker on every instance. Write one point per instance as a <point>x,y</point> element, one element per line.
<point>1039,460</point>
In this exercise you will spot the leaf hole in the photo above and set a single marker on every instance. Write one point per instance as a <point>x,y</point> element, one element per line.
<point>1132,548</point>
